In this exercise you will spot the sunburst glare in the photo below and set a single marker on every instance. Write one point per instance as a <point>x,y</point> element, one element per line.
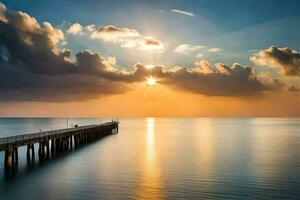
<point>151,80</point>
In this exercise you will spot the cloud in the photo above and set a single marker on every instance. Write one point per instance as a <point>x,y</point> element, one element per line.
<point>34,45</point>
<point>214,49</point>
<point>114,34</point>
<point>199,55</point>
<point>287,60</point>
<point>37,69</point>
<point>19,84</point>
<point>75,29</point>
<point>2,11</point>
<point>79,30</point>
<point>182,12</point>
<point>187,49</point>
<point>127,38</point>
<point>34,68</point>
<point>237,80</point>
<point>144,43</point>
<point>293,88</point>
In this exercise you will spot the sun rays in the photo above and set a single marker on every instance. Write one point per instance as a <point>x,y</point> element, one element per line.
<point>151,80</point>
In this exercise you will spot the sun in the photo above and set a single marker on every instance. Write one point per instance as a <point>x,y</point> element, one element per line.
<point>151,80</point>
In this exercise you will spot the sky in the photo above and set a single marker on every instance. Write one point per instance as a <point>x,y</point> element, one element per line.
<point>140,58</point>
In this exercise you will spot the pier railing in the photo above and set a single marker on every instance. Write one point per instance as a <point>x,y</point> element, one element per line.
<point>42,134</point>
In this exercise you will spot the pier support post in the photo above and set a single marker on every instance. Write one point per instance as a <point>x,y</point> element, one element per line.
<point>63,144</point>
<point>41,150</point>
<point>75,145</point>
<point>48,149</point>
<point>52,146</point>
<point>32,152</point>
<point>8,160</point>
<point>68,143</point>
<point>71,142</point>
<point>16,155</point>
<point>76,140</point>
<point>59,145</point>
<point>56,145</point>
<point>28,153</point>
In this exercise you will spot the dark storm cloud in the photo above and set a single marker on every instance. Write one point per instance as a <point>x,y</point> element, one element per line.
<point>286,59</point>
<point>34,68</point>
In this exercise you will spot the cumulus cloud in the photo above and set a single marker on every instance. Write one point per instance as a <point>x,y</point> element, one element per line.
<point>224,80</point>
<point>127,38</point>
<point>37,69</point>
<point>286,59</point>
<point>182,12</point>
<point>187,49</point>
<point>79,30</point>
<point>34,68</point>
<point>75,29</point>
<point>35,45</point>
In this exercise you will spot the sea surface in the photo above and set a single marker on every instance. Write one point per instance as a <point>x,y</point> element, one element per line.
<point>163,158</point>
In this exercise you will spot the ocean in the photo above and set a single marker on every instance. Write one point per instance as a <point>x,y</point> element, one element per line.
<point>163,158</point>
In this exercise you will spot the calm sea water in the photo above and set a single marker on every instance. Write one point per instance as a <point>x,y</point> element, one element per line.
<point>187,158</point>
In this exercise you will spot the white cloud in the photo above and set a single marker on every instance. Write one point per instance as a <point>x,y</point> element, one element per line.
<point>90,28</point>
<point>114,34</point>
<point>143,43</point>
<point>75,29</point>
<point>183,12</point>
<point>187,49</point>
<point>127,38</point>
<point>199,55</point>
<point>78,29</point>
<point>214,49</point>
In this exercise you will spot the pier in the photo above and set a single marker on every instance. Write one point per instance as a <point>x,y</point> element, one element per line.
<point>53,142</point>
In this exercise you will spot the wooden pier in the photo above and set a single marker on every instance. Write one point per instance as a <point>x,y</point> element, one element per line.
<point>53,142</point>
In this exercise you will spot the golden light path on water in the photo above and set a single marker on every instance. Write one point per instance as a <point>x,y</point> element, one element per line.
<point>151,184</point>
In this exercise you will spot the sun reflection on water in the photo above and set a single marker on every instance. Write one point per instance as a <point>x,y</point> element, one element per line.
<point>151,183</point>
